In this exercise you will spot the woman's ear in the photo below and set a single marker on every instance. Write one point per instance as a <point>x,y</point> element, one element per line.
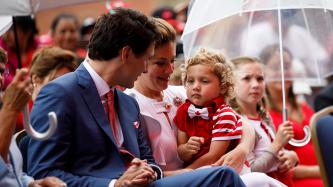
<point>35,80</point>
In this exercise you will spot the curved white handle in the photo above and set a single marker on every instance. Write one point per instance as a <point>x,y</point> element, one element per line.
<point>304,141</point>
<point>32,132</point>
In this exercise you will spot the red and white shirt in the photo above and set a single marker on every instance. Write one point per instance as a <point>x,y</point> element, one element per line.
<point>223,123</point>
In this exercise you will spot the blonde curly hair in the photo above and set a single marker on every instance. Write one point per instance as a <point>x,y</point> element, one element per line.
<point>220,67</point>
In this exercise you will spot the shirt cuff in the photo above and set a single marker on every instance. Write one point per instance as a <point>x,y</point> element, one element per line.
<point>158,171</point>
<point>112,183</point>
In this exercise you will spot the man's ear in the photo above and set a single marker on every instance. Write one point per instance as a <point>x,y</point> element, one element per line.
<point>125,53</point>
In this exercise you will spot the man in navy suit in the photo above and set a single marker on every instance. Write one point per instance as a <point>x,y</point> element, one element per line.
<point>85,149</point>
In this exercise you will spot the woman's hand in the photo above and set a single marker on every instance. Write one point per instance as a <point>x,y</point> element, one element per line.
<point>288,159</point>
<point>234,158</point>
<point>283,135</point>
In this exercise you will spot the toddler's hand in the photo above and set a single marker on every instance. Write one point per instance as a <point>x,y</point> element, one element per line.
<point>193,144</point>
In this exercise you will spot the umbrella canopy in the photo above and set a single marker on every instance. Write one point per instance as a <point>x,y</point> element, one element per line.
<point>5,24</point>
<point>15,7</point>
<point>27,7</point>
<point>241,28</point>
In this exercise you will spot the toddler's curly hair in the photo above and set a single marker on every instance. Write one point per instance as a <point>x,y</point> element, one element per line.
<point>219,65</point>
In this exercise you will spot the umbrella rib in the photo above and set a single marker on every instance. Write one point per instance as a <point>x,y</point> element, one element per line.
<point>308,29</point>
<point>284,108</point>
<point>249,26</point>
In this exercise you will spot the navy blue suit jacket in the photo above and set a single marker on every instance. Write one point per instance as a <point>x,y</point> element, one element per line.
<point>82,152</point>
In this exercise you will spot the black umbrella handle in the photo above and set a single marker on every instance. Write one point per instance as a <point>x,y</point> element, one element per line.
<point>17,48</point>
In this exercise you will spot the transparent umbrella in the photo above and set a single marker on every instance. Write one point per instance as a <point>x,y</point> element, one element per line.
<point>246,27</point>
<point>11,8</point>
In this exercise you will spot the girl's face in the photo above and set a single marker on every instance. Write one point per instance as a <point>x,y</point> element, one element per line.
<point>160,67</point>
<point>66,34</point>
<point>249,83</point>
<point>202,85</point>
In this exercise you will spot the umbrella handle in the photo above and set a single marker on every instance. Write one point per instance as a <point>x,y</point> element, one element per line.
<point>32,132</point>
<point>304,141</point>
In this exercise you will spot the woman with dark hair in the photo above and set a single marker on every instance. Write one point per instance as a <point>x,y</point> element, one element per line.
<point>65,32</point>
<point>307,172</point>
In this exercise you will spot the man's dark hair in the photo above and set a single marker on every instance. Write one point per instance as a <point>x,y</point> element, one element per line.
<point>125,27</point>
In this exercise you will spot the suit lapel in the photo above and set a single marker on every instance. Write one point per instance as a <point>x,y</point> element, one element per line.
<point>92,100</point>
<point>127,124</point>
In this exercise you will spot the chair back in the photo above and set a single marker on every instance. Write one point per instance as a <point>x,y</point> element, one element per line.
<point>322,137</point>
<point>22,141</point>
<point>19,135</point>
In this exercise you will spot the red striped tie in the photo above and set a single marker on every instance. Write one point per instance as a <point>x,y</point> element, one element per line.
<point>112,116</point>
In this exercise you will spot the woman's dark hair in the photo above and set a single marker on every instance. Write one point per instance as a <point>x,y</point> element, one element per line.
<point>266,54</point>
<point>59,17</point>
<point>26,24</point>
<point>125,27</point>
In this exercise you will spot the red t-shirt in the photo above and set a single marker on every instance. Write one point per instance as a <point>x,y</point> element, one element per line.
<point>223,124</point>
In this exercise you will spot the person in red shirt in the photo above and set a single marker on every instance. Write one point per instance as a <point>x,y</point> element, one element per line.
<point>299,113</point>
<point>28,43</point>
<point>208,127</point>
